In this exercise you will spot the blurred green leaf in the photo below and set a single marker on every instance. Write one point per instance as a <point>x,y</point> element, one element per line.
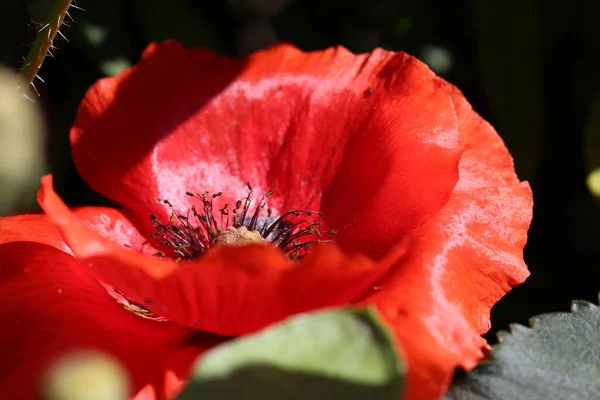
<point>86,375</point>
<point>22,146</point>
<point>341,354</point>
<point>557,358</point>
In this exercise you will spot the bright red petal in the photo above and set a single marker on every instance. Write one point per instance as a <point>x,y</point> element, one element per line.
<point>486,161</point>
<point>236,291</point>
<point>89,240</point>
<point>110,223</point>
<point>30,228</point>
<point>459,263</point>
<point>147,393</point>
<point>232,290</point>
<point>50,305</point>
<point>120,226</point>
<point>370,139</point>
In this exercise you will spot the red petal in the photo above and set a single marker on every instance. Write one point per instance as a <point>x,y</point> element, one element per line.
<point>50,306</point>
<point>236,291</point>
<point>232,290</point>
<point>486,161</point>
<point>85,241</point>
<point>459,263</point>
<point>370,138</point>
<point>108,222</point>
<point>147,393</point>
<point>30,228</point>
<point>120,226</point>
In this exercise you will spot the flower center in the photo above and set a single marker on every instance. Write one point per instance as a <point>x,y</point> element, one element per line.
<point>238,236</point>
<point>193,234</point>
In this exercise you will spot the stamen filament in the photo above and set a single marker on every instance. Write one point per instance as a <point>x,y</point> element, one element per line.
<point>191,235</point>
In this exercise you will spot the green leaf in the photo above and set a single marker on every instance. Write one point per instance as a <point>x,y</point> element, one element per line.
<point>340,354</point>
<point>557,358</point>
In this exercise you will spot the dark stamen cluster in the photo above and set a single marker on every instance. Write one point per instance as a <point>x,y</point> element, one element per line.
<point>191,235</point>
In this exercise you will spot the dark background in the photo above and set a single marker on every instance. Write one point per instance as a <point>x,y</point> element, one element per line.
<point>530,67</point>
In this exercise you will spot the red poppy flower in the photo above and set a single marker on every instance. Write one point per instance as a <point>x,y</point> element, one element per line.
<point>430,216</point>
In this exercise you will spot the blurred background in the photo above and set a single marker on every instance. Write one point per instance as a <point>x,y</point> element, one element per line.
<point>531,68</point>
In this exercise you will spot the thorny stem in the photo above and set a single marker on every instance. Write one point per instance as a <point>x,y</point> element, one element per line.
<point>44,41</point>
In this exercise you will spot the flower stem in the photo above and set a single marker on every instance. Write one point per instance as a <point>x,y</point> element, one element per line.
<point>44,41</point>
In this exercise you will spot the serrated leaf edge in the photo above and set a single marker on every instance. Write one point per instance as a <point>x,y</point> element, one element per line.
<point>516,329</point>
